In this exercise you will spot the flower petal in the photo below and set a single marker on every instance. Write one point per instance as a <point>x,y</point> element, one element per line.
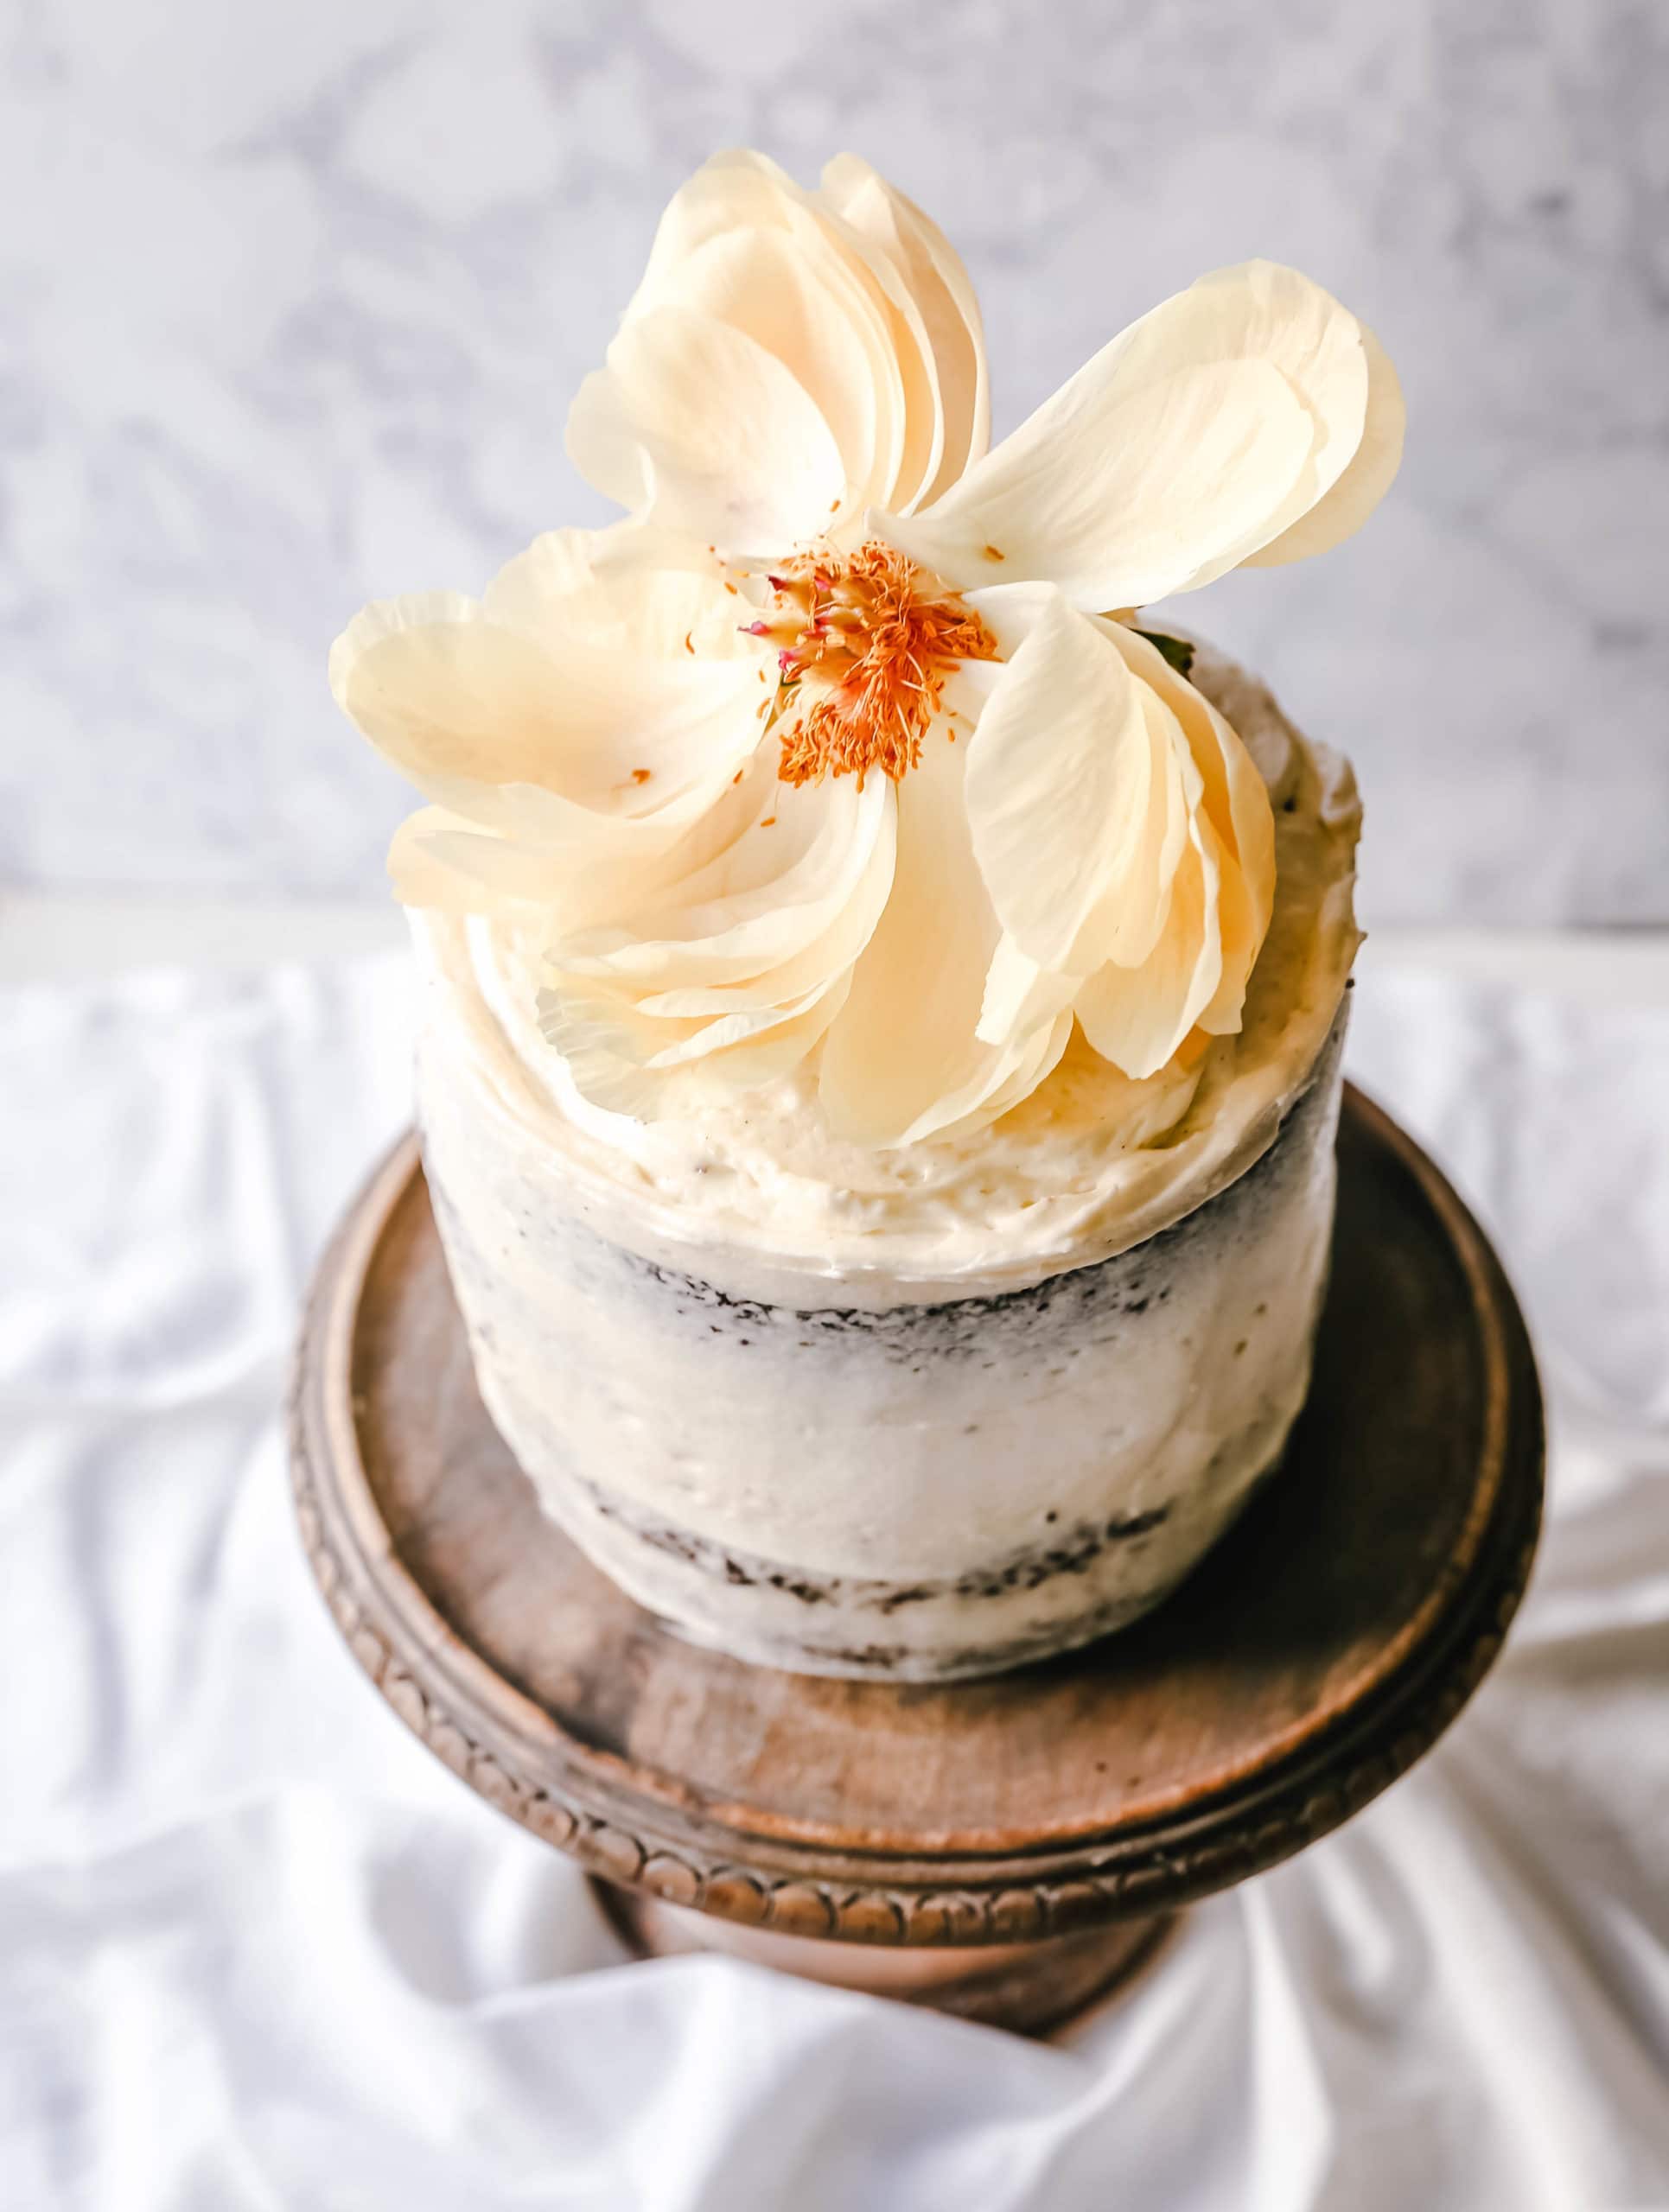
<point>1075,796</point>
<point>729,190</point>
<point>574,874</point>
<point>841,301</point>
<point>790,293</point>
<point>1366,479</point>
<point>1129,1114</point>
<point>556,565</point>
<point>650,594</point>
<point>453,698</point>
<point>932,269</point>
<point>904,1059</point>
<point>1137,1017</point>
<point>627,1063</point>
<point>732,446</point>
<point>1125,501</point>
<point>811,867</point>
<point>1236,799</point>
<point>1199,436</point>
<point>443,860</point>
<point>1020,993</point>
<point>582,732</point>
<point>1030,1063</point>
<point>853,263</point>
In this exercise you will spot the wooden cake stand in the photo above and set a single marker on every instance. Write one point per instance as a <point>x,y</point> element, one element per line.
<point>1002,1849</point>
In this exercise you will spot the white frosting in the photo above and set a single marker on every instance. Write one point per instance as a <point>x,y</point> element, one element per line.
<point>757,1196</point>
<point>920,1494</point>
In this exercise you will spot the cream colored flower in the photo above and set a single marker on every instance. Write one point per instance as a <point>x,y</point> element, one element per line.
<point>836,745</point>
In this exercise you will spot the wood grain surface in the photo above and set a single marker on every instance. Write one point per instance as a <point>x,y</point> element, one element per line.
<point>1315,1655</point>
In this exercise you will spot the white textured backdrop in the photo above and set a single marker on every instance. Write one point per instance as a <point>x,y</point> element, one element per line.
<point>292,299</point>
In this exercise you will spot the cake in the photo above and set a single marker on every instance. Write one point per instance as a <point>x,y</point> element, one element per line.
<point>884,995</point>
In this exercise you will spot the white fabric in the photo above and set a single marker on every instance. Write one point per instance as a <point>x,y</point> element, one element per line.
<point>258,1950</point>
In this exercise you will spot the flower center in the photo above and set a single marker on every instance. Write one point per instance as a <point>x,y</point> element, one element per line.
<point>864,642</point>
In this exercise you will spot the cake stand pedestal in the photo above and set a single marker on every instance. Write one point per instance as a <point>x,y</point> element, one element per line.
<point>1002,1849</point>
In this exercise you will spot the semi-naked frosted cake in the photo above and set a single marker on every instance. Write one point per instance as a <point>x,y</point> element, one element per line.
<point>881,1060</point>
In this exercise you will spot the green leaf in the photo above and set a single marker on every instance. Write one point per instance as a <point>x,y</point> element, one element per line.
<point>1177,651</point>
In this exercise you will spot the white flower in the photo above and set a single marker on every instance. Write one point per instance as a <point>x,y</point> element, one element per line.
<point>836,743</point>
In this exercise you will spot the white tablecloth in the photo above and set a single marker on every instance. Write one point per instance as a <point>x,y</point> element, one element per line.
<point>258,1949</point>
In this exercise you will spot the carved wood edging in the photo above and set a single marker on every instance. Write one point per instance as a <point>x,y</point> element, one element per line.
<point>892,1900</point>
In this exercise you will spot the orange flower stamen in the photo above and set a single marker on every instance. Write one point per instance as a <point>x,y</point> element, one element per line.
<point>864,645</point>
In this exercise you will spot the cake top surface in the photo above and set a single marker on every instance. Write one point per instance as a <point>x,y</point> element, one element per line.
<point>842,768</point>
<point>758,1193</point>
